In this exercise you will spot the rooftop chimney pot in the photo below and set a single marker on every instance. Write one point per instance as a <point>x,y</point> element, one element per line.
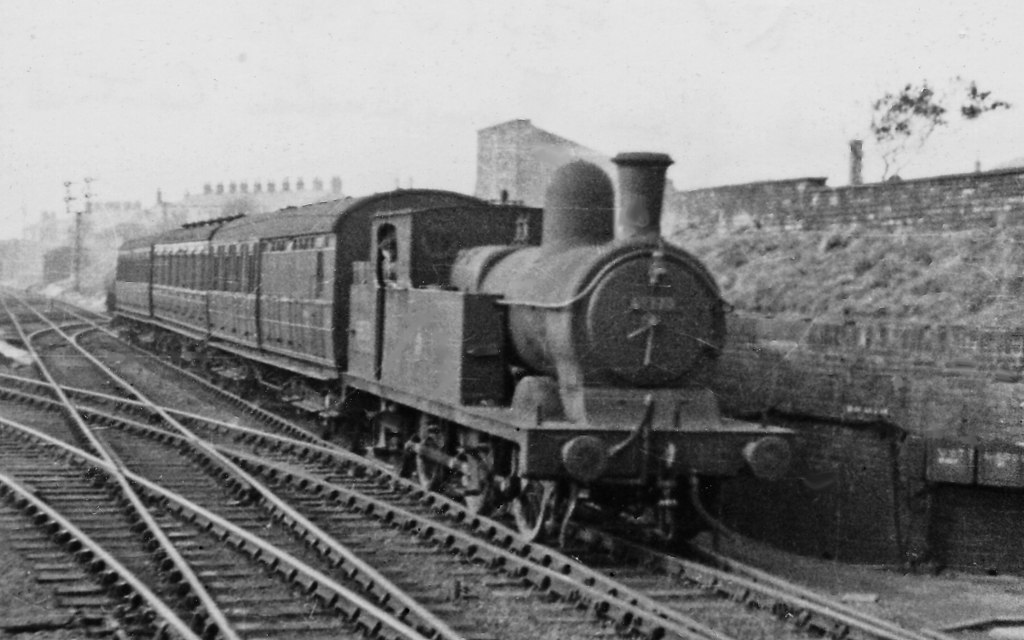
<point>856,162</point>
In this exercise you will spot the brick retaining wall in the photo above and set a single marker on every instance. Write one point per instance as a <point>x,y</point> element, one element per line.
<point>931,380</point>
<point>871,402</point>
<point>960,201</point>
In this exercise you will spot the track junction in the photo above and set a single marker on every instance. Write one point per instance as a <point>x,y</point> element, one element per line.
<point>229,521</point>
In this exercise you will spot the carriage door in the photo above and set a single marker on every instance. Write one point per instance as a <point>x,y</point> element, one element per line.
<point>387,256</point>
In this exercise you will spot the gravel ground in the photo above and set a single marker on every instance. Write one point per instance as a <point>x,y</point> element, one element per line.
<point>915,600</point>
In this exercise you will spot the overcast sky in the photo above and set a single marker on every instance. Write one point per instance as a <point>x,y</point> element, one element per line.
<point>171,95</point>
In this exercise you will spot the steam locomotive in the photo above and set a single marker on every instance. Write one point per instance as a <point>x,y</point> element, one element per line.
<point>522,359</point>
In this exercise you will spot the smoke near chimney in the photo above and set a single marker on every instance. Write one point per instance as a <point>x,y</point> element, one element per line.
<point>271,187</point>
<point>220,188</point>
<point>299,184</point>
<point>318,184</point>
<point>285,185</point>
<point>207,188</point>
<point>336,185</point>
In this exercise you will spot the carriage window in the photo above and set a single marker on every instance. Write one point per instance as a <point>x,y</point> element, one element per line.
<point>232,281</point>
<point>318,278</point>
<point>219,270</point>
<point>387,254</point>
<point>251,269</point>
<point>243,273</point>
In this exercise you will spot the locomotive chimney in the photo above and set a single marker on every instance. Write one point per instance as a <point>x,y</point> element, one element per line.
<point>579,207</point>
<point>641,191</point>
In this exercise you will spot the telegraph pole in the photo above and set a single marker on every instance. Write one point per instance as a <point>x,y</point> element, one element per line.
<point>68,198</point>
<point>78,232</point>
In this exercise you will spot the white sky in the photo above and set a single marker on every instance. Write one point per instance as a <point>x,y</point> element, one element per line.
<point>144,95</point>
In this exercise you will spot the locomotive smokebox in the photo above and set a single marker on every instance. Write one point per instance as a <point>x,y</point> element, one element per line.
<point>641,190</point>
<point>578,208</point>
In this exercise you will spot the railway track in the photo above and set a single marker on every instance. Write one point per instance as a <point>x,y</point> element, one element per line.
<point>515,604</point>
<point>357,501</point>
<point>199,595</point>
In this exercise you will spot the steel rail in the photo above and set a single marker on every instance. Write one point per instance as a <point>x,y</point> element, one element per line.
<point>758,581</point>
<point>733,582</point>
<point>604,595</point>
<point>207,606</point>
<point>630,606</point>
<point>261,413</point>
<point>91,553</point>
<point>784,592</point>
<point>277,559</point>
<point>810,596</point>
<point>282,510</point>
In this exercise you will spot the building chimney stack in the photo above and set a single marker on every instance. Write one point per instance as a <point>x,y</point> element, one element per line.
<point>856,162</point>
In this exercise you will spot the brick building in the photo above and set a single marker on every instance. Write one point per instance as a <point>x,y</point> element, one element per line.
<point>237,197</point>
<point>515,161</point>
